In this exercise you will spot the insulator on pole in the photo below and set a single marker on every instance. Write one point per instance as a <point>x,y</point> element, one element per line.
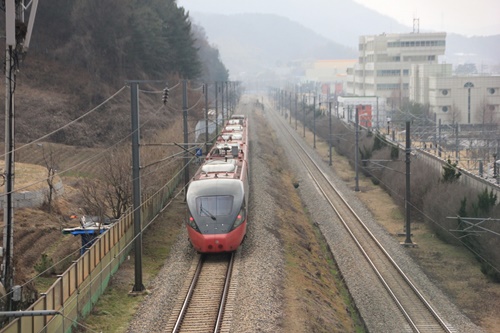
<point>165,95</point>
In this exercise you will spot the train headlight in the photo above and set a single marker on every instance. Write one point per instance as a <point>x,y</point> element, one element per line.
<point>240,218</point>
<point>192,223</point>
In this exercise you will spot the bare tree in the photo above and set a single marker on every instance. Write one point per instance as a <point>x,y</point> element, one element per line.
<point>93,197</point>
<point>116,173</point>
<point>50,163</point>
<point>110,194</point>
<point>455,114</point>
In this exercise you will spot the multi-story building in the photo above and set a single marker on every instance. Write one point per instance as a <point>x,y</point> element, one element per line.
<point>385,60</point>
<point>456,99</point>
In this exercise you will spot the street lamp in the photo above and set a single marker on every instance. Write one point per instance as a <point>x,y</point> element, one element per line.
<point>468,85</point>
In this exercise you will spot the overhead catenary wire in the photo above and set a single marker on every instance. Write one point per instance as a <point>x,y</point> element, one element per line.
<point>71,122</point>
<point>396,194</point>
<point>99,154</point>
<point>126,245</point>
<point>94,157</point>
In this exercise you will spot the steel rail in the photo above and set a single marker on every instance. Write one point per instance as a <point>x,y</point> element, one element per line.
<point>220,312</point>
<point>440,321</point>
<point>190,292</point>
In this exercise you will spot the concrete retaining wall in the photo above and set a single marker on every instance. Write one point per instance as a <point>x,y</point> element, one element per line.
<point>33,199</point>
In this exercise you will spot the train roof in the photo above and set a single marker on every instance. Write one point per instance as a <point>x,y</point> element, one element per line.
<point>226,168</point>
<point>238,116</point>
<point>214,187</point>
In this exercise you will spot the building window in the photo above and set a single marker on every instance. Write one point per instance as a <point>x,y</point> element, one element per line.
<point>491,91</point>
<point>444,92</point>
<point>388,86</point>
<point>444,109</point>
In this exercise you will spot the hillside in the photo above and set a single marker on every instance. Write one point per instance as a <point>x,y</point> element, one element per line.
<point>258,42</point>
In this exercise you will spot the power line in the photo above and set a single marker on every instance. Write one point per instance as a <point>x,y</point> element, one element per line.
<point>69,123</point>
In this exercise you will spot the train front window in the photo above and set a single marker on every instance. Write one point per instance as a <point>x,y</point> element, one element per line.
<point>213,206</point>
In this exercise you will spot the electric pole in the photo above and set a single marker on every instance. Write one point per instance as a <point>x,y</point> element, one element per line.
<point>17,37</point>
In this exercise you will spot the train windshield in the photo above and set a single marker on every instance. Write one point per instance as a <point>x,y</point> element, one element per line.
<point>213,206</point>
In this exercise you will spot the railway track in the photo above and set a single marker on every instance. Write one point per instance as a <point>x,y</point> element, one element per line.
<point>203,307</point>
<point>418,312</point>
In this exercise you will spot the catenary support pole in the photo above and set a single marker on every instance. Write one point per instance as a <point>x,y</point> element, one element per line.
<point>314,121</point>
<point>206,117</point>
<point>407,192</point>
<point>330,130</point>
<point>216,109</point>
<point>136,183</point>
<point>356,152</point>
<point>186,138</point>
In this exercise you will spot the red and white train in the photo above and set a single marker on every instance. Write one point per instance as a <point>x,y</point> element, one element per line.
<point>217,196</point>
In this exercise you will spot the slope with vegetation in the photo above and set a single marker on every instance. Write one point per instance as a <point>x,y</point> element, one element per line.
<point>73,114</point>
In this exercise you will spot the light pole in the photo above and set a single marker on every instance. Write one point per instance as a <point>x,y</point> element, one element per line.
<point>468,85</point>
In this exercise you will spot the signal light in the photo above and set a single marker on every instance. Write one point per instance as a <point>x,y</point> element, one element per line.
<point>165,95</point>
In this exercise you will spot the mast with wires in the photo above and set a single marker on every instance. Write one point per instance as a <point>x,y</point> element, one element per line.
<point>17,37</point>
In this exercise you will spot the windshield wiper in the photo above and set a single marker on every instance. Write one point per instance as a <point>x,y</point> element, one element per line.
<point>203,210</point>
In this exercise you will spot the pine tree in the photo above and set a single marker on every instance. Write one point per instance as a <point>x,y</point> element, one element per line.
<point>450,172</point>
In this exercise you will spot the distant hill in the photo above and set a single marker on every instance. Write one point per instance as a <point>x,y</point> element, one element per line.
<point>342,21</point>
<point>258,42</point>
<point>484,51</point>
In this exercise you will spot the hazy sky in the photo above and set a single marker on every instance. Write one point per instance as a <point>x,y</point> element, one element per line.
<point>466,17</point>
<point>480,17</point>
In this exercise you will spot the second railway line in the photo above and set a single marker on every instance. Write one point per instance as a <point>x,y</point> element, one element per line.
<point>419,314</point>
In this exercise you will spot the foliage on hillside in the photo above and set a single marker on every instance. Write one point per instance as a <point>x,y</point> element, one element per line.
<point>83,51</point>
<point>115,39</point>
<point>432,199</point>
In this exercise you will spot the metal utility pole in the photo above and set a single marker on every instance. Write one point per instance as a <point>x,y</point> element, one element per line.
<point>222,102</point>
<point>136,181</point>
<point>356,188</point>
<point>17,37</point>
<point>206,117</point>
<point>290,107</point>
<point>314,121</point>
<point>304,114</point>
<point>296,109</point>
<point>228,97</point>
<point>439,138</point>
<point>407,192</point>
<point>330,129</point>
<point>216,109</point>
<point>186,139</point>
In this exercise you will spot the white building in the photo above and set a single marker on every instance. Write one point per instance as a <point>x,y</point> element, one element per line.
<point>384,63</point>
<point>377,112</point>
<point>456,99</point>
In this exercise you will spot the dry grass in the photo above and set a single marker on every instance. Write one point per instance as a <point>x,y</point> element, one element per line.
<point>315,298</point>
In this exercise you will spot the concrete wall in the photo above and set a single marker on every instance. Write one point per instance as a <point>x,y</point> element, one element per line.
<point>32,199</point>
<point>467,178</point>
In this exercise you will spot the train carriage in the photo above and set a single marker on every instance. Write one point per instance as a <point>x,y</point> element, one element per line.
<point>217,196</point>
